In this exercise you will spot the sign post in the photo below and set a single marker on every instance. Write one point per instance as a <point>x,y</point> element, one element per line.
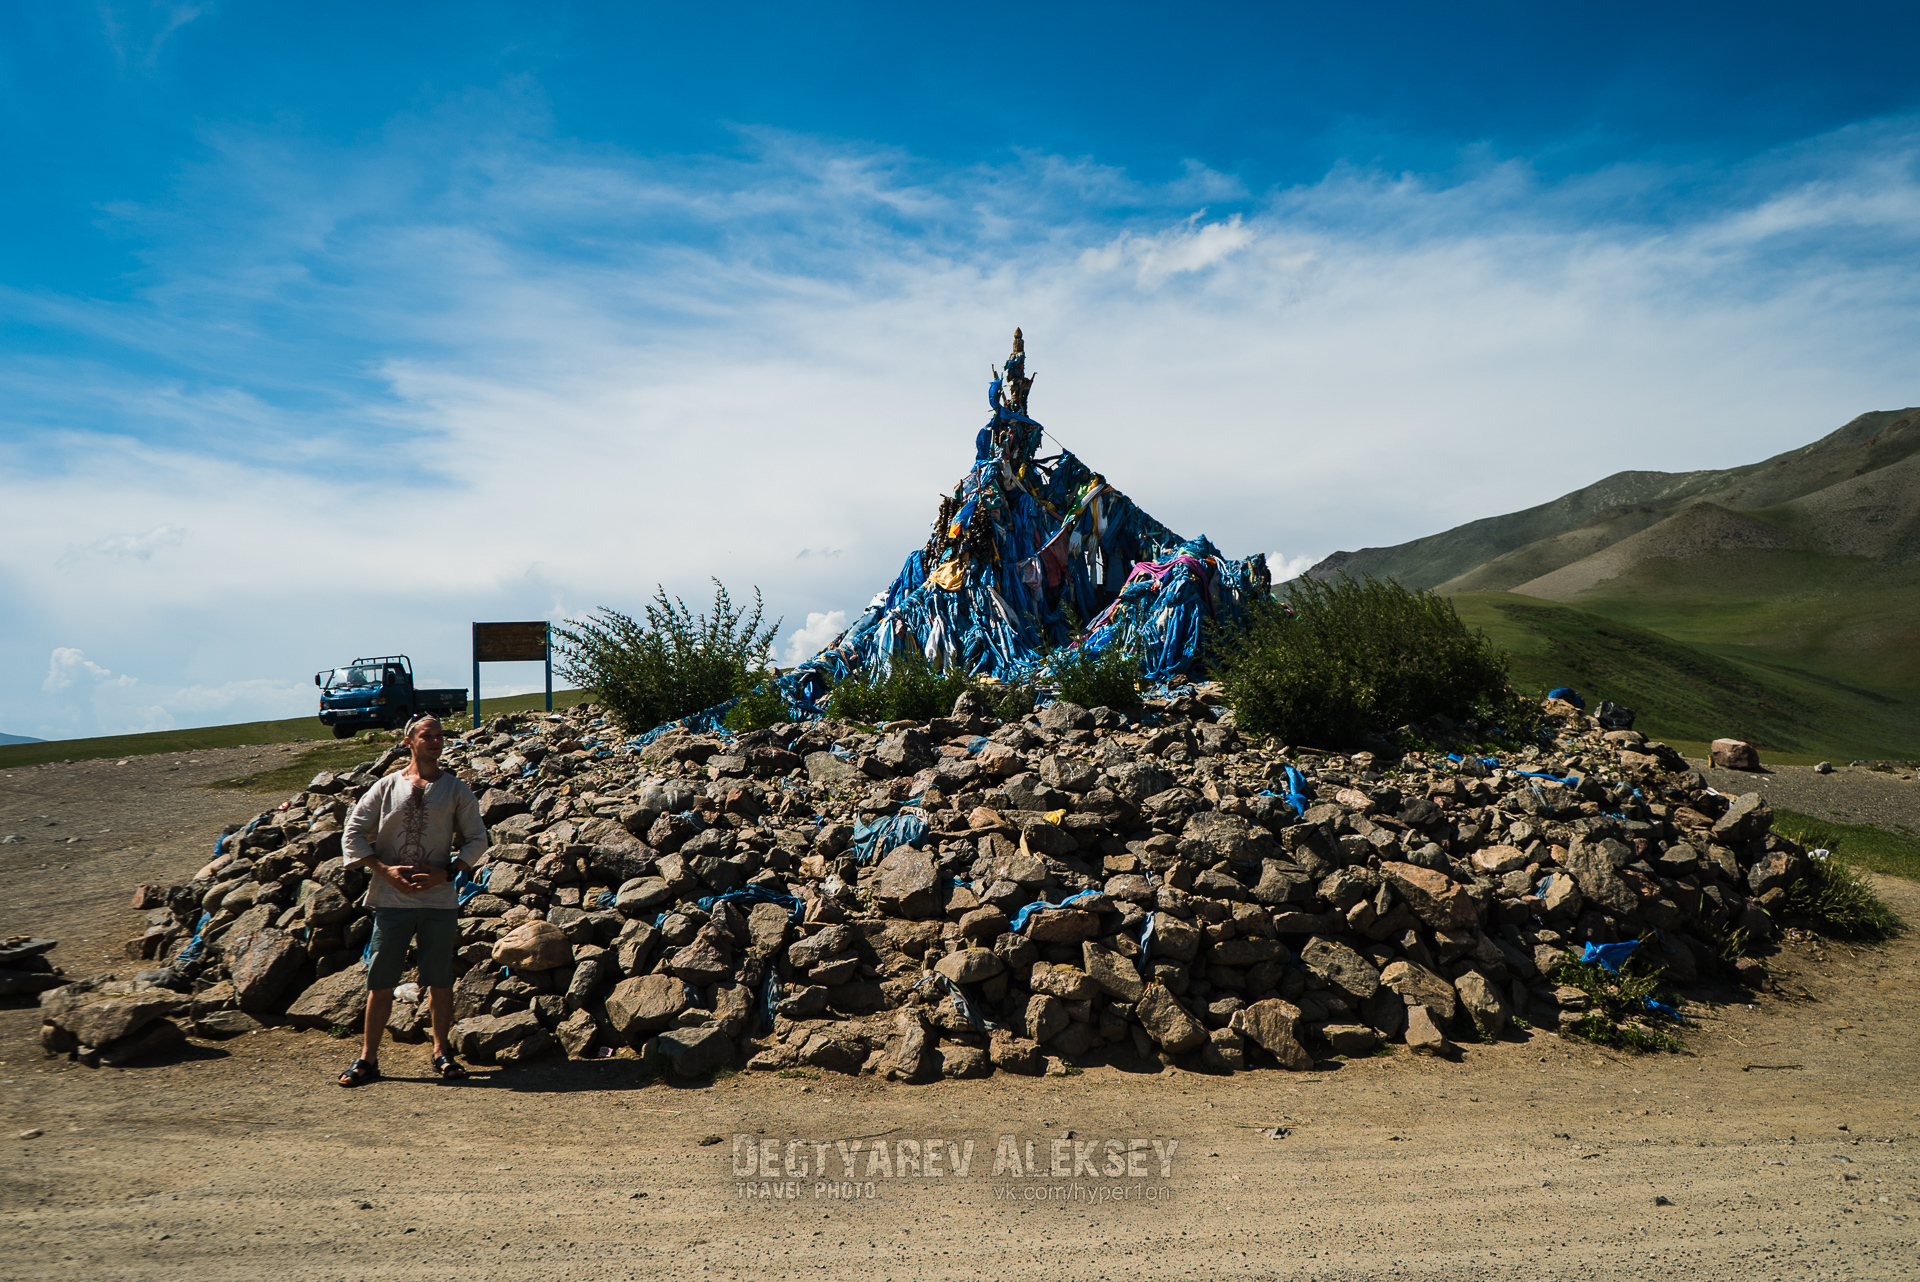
<point>511,643</point>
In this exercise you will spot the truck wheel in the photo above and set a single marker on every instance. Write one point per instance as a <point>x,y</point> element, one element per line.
<point>343,732</point>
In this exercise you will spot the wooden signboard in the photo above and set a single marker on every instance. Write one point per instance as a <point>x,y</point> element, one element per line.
<point>511,643</point>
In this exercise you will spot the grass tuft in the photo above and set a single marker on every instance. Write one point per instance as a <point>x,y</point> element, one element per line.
<point>1619,1004</point>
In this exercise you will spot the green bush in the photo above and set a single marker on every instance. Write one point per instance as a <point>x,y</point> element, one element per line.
<point>1110,679</point>
<point>759,708</point>
<point>1619,1002</point>
<point>671,664</point>
<point>1358,657</point>
<point>911,689</point>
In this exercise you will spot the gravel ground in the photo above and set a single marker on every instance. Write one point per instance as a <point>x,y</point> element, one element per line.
<point>1851,794</point>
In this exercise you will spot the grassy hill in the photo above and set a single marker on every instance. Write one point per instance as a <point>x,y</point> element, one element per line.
<point>293,730</point>
<point>1687,694</point>
<point>1778,602</point>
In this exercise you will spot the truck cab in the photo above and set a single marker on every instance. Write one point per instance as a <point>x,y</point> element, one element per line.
<point>378,692</point>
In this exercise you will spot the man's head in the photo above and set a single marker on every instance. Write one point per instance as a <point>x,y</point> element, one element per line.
<point>425,738</point>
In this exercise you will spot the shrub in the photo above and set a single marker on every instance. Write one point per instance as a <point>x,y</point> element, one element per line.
<point>1619,1003</point>
<point>1835,898</point>
<point>1356,657</point>
<point>671,664</point>
<point>759,708</point>
<point>911,689</point>
<point>1110,679</point>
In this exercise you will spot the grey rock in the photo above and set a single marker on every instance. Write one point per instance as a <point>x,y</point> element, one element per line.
<point>645,1004</point>
<point>338,1001</point>
<point>970,965</point>
<point>1351,1039</point>
<point>694,1052</point>
<point>1275,1025</point>
<point>1115,974</point>
<point>1483,1002</point>
<point>910,884</point>
<point>1167,1022</point>
<point>1340,966</point>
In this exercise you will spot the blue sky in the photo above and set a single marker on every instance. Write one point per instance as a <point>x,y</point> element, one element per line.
<point>327,329</point>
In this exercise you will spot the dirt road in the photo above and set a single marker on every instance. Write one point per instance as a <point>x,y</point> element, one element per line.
<point>1784,1145</point>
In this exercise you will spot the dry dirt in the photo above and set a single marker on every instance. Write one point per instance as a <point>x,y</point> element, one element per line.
<point>1783,1144</point>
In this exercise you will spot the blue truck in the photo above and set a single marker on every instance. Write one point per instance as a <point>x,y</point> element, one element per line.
<point>379,693</point>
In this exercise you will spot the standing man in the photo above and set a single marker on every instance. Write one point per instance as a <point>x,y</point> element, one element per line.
<point>414,831</point>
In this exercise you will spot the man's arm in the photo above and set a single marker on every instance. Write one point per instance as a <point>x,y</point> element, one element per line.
<point>470,831</point>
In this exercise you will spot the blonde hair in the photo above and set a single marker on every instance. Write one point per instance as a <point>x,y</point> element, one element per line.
<point>406,736</point>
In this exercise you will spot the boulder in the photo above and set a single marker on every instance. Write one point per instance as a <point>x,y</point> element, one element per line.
<point>970,965</point>
<point>1115,975</point>
<point>1418,986</point>
<point>1210,837</point>
<point>534,946</point>
<point>1351,1039</point>
<point>1340,966</point>
<point>1046,1016</point>
<point>953,1060</point>
<point>1062,926</point>
<point>1423,1035</point>
<point>337,1001</point>
<point>1748,818</point>
<point>483,1037</point>
<point>1483,1002</point>
<point>1733,754</point>
<point>577,1033</point>
<point>904,1057</point>
<point>1496,861</point>
<point>1061,716</point>
<point>694,1052</point>
<point>262,967</point>
<point>1275,1025</point>
<point>1014,1054</point>
<point>1594,866</point>
<point>646,1004</point>
<point>1434,897</point>
<point>909,884</point>
<point>1167,1021</point>
<point>101,1019</point>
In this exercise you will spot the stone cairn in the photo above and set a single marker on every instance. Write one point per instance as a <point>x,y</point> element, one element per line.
<point>714,901</point>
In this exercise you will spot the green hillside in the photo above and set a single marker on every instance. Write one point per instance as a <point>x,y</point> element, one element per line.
<point>1577,525</point>
<point>1689,694</point>
<point>293,730</point>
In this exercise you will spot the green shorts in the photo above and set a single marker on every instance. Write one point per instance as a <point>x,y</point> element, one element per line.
<point>433,931</point>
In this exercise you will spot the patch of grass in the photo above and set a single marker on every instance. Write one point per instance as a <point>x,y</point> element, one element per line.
<point>1357,656</point>
<point>295,776</point>
<point>1689,695</point>
<point>339,1032</point>
<point>1839,901</point>
<point>1619,1003</point>
<point>241,735</point>
<point>1862,845</point>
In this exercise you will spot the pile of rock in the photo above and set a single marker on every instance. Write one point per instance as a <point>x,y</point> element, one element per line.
<point>24,967</point>
<point>824,896</point>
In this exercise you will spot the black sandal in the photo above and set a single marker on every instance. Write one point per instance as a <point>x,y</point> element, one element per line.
<point>447,1068</point>
<point>359,1073</point>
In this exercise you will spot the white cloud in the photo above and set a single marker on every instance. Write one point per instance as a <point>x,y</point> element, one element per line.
<point>804,643</point>
<point>136,546</point>
<point>768,370</point>
<point>68,665</point>
<point>1283,567</point>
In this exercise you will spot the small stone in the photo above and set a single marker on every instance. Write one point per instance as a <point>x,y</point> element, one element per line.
<point>32,1133</point>
<point>1823,768</point>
